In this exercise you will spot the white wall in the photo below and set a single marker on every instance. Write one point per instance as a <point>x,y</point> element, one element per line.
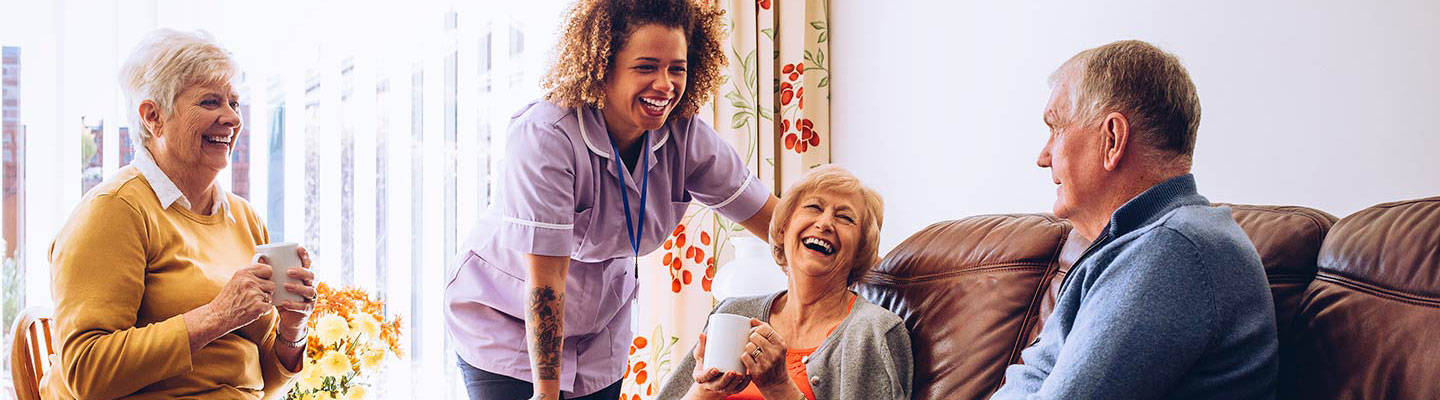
<point>1328,104</point>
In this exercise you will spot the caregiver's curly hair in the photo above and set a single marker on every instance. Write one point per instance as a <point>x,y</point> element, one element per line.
<point>597,29</point>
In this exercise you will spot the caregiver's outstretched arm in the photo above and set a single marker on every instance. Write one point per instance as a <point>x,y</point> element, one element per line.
<point>545,322</point>
<point>759,224</point>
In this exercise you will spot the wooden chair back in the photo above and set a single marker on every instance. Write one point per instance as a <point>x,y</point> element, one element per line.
<point>30,351</point>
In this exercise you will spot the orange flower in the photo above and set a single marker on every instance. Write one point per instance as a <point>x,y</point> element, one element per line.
<point>360,353</point>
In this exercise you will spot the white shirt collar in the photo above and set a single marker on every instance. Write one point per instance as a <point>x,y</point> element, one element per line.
<point>165,190</point>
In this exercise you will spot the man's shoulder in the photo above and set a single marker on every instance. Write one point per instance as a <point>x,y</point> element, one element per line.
<point>1199,235</point>
<point>1211,230</point>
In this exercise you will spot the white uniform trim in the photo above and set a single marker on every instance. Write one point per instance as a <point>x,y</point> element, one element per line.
<point>544,225</point>
<point>748,177</point>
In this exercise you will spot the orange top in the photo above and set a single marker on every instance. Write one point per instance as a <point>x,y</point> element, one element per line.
<point>795,365</point>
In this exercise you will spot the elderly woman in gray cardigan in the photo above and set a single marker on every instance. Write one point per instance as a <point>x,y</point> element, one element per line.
<point>816,339</point>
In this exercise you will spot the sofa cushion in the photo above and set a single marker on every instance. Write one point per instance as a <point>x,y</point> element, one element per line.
<point>1288,239</point>
<point>969,291</point>
<point>1368,327</point>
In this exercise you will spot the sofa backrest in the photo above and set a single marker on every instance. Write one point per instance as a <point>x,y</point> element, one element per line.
<point>1368,326</point>
<point>1288,240</point>
<point>969,291</point>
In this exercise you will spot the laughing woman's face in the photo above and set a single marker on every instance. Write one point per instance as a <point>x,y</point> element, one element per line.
<point>822,236</point>
<point>646,80</point>
<point>201,131</point>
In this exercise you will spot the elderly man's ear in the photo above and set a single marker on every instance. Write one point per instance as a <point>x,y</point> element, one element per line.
<point>150,116</point>
<point>1115,137</point>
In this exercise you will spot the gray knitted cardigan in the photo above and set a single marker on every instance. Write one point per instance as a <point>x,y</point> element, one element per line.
<point>866,357</point>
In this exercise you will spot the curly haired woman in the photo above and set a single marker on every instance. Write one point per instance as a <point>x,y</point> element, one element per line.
<point>596,173</point>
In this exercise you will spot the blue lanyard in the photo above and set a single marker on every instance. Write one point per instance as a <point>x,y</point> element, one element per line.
<point>630,227</point>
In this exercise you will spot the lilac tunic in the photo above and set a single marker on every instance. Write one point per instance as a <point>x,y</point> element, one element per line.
<point>559,196</point>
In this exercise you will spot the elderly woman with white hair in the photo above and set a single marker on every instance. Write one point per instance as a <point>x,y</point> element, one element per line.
<point>156,295</point>
<point>817,339</point>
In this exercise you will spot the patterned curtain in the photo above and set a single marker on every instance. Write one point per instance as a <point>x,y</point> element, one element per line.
<point>775,109</point>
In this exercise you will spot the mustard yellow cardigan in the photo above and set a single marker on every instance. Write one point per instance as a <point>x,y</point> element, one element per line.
<point>123,270</point>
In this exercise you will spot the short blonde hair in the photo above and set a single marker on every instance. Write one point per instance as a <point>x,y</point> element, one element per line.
<point>597,29</point>
<point>166,62</point>
<point>832,178</point>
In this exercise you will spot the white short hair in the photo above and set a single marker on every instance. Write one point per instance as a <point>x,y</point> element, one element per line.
<point>166,62</point>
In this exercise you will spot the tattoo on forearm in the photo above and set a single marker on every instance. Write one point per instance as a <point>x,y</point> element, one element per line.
<point>547,310</point>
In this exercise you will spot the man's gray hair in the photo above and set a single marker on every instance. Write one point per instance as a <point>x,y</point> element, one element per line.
<point>166,62</point>
<point>1148,85</point>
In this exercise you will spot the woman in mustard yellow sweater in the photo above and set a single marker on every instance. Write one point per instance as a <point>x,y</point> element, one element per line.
<point>156,296</point>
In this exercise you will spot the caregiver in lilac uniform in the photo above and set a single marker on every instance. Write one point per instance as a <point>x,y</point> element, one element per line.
<point>598,172</point>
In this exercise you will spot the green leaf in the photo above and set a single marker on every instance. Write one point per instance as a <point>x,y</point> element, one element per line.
<point>737,101</point>
<point>769,33</point>
<point>823,35</point>
<point>749,63</point>
<point>734,96</point>
<point>819,58</point>
<point>738,122</point>
<point>824,82</point>
<point>770,161</point>
<point>818,25</point>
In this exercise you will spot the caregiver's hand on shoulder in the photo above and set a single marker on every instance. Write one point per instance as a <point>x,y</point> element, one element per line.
<point>710,383</point>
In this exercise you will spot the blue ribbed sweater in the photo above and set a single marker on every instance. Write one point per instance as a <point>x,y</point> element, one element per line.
<point>1171,301</point>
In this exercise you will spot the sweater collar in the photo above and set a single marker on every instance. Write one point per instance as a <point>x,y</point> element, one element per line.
<point>1154,203</point>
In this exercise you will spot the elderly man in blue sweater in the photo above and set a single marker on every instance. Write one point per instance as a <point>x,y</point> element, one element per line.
<point>1171,300</point>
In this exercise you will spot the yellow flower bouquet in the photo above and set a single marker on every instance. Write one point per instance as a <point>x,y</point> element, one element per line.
<point>349,337</point>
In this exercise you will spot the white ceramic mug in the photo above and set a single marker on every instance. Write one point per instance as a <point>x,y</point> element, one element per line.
<point>281,257</point>
<point>725,340</point>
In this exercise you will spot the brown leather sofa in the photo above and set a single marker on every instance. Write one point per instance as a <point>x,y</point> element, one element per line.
<point>1357,300</point>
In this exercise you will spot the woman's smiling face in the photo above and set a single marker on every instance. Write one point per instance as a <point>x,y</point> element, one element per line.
<point>201,130</point>
<point>822,235</point>
<point>646,80</point>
